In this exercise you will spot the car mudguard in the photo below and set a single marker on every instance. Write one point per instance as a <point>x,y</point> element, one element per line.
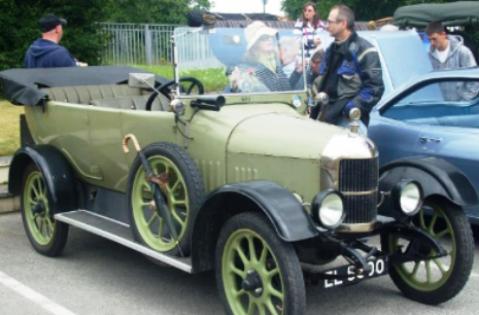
<point>25,134</point>
<point>56,170</point>
<point>286,214</point>
<point>437,177</point>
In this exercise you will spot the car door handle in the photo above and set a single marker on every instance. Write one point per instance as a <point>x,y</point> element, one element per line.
<point>424,139</point>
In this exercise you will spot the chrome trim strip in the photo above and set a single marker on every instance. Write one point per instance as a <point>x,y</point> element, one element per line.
<point>356,227</point>
<point>130,244</point>
<point>105,218</point>
<point>359,193</point>
<point>340,147</point>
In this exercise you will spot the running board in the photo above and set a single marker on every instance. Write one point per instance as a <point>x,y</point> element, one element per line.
<point>118,232</point>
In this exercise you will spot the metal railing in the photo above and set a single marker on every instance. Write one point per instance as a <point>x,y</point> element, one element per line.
<point>128,43</point>
<point>201,56</point>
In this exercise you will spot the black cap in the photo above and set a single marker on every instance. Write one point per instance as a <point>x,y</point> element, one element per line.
<point>49,22</point>
<point>195,18</point>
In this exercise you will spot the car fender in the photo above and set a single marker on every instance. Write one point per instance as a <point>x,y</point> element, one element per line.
<point>56,170</point>
<point>437,177</point>
<point>283,210</point>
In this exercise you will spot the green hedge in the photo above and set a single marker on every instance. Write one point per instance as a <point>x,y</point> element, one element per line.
<point>19,20</point>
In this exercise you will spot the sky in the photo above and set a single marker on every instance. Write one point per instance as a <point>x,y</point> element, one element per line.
<point>246,6</point>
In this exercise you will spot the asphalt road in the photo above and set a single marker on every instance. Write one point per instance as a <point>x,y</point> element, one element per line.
<point>96,276</point>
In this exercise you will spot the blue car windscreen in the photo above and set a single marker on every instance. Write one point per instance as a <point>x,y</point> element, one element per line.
<point>405,58</point>
<point>455,104</point>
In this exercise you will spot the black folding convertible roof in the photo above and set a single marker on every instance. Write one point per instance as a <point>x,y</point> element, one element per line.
<point>450,14</point>
<point>23,86</point>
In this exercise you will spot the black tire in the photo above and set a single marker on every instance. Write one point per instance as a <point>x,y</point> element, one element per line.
<point>475,233</point>
<point>185,173</point>
<point>452,230</point>
<point>279,258</point>
<point>47,236</point>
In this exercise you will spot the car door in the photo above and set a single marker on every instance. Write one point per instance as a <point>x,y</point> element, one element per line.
<point>394,138</point>
<point>65,126</point>
<point>406,127</point>
<point>105,137</point>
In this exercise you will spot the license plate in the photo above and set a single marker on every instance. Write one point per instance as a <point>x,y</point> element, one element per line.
<point>346,275</point>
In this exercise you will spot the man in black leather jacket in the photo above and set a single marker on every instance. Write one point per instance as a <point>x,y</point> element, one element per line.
<point>350,73</point>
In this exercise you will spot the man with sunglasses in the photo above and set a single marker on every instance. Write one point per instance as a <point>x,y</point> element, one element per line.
<point>350,73</point>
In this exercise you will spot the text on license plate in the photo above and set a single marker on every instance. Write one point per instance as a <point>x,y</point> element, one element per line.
<point>346,274</point>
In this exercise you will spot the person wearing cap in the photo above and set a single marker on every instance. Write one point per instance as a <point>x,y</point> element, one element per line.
<point>262,70</point>
<point>46,52</point>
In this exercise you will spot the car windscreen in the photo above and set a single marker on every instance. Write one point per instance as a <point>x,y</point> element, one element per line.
<point>455,103</point>
<point>240,60</point>
<point>404,57</point>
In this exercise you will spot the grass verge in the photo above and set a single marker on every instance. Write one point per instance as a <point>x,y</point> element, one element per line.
<point>213,79</point>
<point>9,130</point>
<point>161,70</point>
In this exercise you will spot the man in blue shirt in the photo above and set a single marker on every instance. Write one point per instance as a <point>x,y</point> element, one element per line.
<point>45,52</point>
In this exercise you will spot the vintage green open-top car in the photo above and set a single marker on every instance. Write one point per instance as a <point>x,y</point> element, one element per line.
<point>231,177</point>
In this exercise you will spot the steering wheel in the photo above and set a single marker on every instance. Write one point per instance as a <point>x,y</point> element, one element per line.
<point>165,89</point>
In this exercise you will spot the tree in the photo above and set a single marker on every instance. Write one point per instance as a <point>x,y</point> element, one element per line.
<point>19,20</point>
<point>153,11</point>
<point>83,36</point>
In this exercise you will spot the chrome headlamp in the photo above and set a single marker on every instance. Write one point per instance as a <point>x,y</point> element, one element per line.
<point>327,209</point>
<point>408,197</point>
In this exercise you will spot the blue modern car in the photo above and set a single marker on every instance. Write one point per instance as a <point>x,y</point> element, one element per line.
<point>435,115</point>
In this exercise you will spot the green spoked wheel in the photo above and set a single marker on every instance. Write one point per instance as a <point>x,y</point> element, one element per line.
<point>151,226</point>
<point>182,191</point>
<point>438,279</point>
<point>256,272</point>
<point>45,234</point>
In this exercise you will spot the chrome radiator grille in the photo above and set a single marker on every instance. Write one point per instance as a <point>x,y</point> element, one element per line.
<point>358,180</point>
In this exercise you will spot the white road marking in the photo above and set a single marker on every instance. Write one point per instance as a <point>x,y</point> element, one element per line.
<point>33,296</point>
